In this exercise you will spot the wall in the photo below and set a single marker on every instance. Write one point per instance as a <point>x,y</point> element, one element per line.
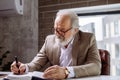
<point>48,9</point>
<point>19,34</point>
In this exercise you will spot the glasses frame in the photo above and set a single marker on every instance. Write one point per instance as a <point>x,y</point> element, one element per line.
<point>62,32</point>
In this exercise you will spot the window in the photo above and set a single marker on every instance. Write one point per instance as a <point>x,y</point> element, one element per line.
<point>107,31</point>
<point>104,22</point>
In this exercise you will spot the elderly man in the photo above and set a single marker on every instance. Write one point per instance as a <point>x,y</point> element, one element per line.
<point>68,53</point>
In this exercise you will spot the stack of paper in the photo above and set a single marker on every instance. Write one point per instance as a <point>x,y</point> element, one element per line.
<point>27,76</point>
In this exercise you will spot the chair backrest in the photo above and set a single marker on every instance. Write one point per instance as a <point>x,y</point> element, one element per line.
<point>105,59</point>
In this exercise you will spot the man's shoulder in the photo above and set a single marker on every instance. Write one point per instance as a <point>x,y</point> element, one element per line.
<point>50,40</point>
<point>86,34</point>
<point>51,36</point>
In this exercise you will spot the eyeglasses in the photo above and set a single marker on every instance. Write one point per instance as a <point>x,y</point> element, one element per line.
<point>61,32</point>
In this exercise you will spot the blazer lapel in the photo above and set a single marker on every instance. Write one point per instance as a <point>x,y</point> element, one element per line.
<point>75,49</point>
<point>56,54</point>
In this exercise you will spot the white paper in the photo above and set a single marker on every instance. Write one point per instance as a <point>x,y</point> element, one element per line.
<point>38,74</point>
<point>27,76</point>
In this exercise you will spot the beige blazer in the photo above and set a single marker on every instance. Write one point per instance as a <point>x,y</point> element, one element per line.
<point>85,57</point>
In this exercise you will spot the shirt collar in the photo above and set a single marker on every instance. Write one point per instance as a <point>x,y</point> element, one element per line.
<point>70,44</point>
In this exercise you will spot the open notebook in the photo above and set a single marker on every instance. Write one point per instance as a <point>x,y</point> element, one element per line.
<point>28,76</point>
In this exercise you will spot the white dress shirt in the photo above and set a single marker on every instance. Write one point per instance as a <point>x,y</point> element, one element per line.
<point>65,59</point>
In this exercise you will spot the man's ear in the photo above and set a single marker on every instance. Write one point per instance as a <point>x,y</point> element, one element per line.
<point>76,30</point>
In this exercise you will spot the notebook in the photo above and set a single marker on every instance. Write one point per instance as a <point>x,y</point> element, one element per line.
<point>27,76</point>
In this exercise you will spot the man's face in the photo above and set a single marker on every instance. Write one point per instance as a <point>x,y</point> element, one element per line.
<point>63,29</point>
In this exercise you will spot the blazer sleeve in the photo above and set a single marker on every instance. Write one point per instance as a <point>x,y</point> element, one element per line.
<point>92,65</point>
<point>39,60</point>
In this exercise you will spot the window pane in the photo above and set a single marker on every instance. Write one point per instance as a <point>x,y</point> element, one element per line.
<point>107,31</point>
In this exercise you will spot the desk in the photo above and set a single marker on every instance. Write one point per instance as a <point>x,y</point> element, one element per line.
<point>101,77</point>
<point>3,74</point>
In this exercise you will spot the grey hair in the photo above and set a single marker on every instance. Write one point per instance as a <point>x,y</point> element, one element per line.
<point>73,16</point>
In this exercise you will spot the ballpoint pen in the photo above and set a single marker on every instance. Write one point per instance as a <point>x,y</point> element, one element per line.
<point>16,60</point>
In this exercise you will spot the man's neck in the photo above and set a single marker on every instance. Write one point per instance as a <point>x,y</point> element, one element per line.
<point>70,42</point>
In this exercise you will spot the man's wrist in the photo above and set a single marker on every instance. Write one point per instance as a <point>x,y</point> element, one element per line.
<point>66,72</point>
<point>26,68</point>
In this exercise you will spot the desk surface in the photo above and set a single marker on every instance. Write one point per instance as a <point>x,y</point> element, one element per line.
<point>3,74</point>
<point>101,77</point>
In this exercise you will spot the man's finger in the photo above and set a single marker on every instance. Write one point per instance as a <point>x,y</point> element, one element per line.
<point>51,71</point>
<point>22,70</point>
<point>51,76</point>
<point>14,70</point>
<point>52,67</point>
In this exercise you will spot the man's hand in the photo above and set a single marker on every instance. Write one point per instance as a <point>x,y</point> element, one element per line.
<point>16,70</point>
<point>55,72</point>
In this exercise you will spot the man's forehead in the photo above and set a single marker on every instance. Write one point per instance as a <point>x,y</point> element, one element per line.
<point>62,18</point>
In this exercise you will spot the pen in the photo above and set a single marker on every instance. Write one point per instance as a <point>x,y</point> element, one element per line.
<point>16,60</point>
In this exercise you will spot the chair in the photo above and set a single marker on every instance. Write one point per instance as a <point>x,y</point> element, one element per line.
<point>105,59</point>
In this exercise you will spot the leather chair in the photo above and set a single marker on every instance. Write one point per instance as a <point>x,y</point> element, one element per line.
<point>105,59</point>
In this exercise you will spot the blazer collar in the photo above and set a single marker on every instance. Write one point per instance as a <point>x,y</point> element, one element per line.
<point>57,55</point>
<point>75,48</point>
